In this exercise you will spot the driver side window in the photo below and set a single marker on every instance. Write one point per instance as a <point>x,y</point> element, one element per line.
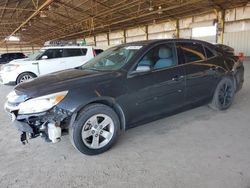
<point>159,57</point>
<point>53,53</point>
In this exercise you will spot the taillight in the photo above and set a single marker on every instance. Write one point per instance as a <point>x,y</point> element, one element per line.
<point>94,53</point>
<point>241,56</point>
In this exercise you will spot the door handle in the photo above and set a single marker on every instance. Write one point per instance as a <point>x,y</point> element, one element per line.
<point>177,78</point>
<point>35,63</point>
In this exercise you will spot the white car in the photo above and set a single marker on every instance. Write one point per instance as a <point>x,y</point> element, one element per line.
<point>47,60</point>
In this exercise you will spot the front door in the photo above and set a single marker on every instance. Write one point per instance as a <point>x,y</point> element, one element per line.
<point>53,63</point>
<point>158,91</point>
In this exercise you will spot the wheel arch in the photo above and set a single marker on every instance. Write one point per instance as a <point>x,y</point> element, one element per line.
<point>105,101</point>
<point>29,72</point>
<point>231,76</point>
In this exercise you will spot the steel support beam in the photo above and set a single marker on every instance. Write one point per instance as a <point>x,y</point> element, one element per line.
<point>44,5</point>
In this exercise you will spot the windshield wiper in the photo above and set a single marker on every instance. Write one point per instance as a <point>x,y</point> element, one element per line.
<point>90,68</point>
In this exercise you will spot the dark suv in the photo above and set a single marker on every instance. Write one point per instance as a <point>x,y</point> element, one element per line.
<point>7,57</point>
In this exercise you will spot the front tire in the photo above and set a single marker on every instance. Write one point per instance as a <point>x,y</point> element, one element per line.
<point>223,95</point>
<point>95,129</point>
<point>24,77</point>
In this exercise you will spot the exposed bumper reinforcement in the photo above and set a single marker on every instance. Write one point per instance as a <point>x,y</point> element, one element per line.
<point>23,127</point>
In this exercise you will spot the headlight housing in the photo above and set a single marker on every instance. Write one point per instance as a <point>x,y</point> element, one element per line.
<point>41,104</point>
<point>9,68</point>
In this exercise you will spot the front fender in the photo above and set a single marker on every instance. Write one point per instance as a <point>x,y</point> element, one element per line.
<point>109,101</point>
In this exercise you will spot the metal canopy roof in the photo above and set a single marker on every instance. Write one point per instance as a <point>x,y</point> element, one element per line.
<point>37,21</point>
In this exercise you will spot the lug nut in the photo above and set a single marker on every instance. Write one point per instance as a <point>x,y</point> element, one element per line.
<point>101,132</point>
<point>96,135</point>
<point>93,132</point>
<point>95,126</point>
<point>100,127</point>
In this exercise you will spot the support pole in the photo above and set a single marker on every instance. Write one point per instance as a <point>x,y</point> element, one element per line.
<point>146,31</point>
<point>108,39</point>
<point>222,23</point>
<point>177,28</point>
<point>124,37</point>
<point>95,40</point>
<point>7,50</point>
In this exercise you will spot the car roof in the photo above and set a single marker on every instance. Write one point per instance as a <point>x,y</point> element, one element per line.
<point>12,53</point>
<point>65,47</point>
<point>155,41</point>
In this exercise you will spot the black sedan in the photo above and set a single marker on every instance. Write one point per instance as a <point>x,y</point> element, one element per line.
<point>123,87</point>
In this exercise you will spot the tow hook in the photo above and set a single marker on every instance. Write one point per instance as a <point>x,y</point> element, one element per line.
<point>23,138</point>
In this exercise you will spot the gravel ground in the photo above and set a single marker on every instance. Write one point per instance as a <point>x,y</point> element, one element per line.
<point>197,148</point>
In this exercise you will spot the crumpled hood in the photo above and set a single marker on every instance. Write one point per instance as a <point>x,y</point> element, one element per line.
<point>59,81</point>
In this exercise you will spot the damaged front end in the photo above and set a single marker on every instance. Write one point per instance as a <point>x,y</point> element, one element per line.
<point>38,116</point>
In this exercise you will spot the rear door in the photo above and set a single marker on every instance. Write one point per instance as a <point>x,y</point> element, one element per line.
<point>53,63</point>
<point>199,73</point>
<point>159,91</point>
<point>74,57</point>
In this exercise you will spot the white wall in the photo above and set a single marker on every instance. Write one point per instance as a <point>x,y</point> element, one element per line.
<point>136,34</point>
<point>240,41</point>
<point>237,29</point>
<point>116,38</point>
<point>162,31</point>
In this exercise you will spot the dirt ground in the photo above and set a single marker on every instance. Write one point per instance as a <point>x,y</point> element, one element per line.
<point>198,148</point>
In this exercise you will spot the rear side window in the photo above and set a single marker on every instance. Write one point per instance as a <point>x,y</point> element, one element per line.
<point>19,55</point>
<point>98,51</point>
<point>209,53</point>
<point>191,51</point>
<point>74,52</point>
<point>12,56</point>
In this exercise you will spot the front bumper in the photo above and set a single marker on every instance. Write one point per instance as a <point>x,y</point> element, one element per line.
<point>8,77</point>
<point>34,125</point>
<point>23,127</point>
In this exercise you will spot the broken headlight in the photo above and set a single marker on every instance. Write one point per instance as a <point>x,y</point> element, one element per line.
<point>41,104</point>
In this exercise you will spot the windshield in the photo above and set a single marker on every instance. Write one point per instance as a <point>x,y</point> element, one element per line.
<point>36,55</point>
<point>112,59</point>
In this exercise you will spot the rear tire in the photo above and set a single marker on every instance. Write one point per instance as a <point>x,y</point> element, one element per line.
<point>25,77</point>
<point>95,129</point>
<point>223,95</point>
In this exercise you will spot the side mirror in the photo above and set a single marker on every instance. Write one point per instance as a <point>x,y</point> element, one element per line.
<point>44,57</point>
<point>143,68</point>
